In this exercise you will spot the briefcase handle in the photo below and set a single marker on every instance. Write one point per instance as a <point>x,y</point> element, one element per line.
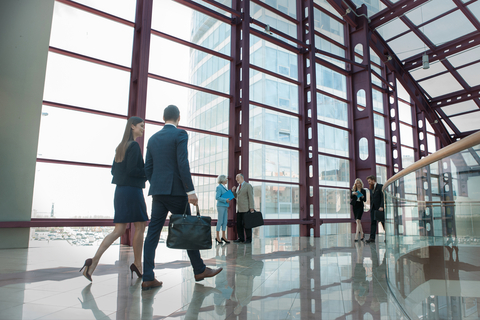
<point>198,210</point>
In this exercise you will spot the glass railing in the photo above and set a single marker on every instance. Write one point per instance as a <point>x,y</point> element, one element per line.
<point>433,233</point>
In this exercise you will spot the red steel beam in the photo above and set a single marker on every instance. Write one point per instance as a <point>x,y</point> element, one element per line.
<point>276,11</point>
<point>394,11</point>
<point>212,13</point>
<point>96,12</point>
<point>456,97</point>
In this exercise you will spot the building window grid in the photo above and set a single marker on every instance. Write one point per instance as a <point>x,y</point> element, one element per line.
<point>78,56</point>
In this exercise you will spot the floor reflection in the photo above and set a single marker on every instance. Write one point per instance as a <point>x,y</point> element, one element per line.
<point>274,278</point>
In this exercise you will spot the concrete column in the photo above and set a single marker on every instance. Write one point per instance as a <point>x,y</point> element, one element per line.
<point>24,38</point>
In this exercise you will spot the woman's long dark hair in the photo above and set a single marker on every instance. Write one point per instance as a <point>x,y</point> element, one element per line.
<point>127,138</point>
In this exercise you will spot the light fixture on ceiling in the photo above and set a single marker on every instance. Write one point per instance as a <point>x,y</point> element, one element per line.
<point>425,61</point>
<point>267,29</point>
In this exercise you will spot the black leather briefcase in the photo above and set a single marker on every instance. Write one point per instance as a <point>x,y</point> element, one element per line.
<point>189,232</point>
<point>252,219</point>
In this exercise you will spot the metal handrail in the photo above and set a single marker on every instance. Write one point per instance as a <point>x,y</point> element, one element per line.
<point>465,143</point>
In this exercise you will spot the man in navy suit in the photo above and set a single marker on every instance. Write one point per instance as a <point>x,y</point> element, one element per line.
<point>168,171</point>
<point>376,203</point>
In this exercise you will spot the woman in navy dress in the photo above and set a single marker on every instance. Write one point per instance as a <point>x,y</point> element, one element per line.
<point>357,200</point>
<point>129,176</point>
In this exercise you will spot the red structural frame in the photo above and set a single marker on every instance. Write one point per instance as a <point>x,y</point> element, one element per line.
<point>358,74</point>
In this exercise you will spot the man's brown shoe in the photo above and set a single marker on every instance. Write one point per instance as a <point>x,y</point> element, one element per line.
<point>147,285</point>
<point>207,273</point>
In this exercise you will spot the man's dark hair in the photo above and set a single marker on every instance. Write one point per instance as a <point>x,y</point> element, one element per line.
<point>372,177</point>
<point>171,113</point>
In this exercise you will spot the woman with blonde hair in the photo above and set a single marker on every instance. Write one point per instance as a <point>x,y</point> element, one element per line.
<point>222,209</point>
<point>358,198</point>
<point>129,176</point>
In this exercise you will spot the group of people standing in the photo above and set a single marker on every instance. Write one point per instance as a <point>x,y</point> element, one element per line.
<point>358,198</point>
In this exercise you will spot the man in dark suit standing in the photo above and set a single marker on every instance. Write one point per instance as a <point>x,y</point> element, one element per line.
<point>168,171</point>
<point>376,203</point>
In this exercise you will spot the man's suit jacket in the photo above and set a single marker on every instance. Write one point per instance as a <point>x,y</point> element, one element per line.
<point>166,165</point>
<point>244,197</point>
<point>377,197</point>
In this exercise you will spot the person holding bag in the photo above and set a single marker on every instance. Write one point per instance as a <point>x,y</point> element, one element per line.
<point>357,201</point>
<point>129,176</point>
<point>222,208</point>
<point>245,203</point>
<point>171,186</point>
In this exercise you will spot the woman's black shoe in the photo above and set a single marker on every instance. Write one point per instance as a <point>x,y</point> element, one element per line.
<point>225,240</point>
<point>218,242</point>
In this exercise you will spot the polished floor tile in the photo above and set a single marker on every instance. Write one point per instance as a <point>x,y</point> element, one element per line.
<point>274,278</point>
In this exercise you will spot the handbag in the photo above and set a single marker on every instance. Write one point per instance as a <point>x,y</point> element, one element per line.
<point>379,215</point>
<point>189,232</point>
<point>252,219</point>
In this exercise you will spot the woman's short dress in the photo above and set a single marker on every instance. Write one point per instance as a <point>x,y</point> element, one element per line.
<point>129,205</point>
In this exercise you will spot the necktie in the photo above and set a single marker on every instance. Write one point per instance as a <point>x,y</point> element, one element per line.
<point>239,187</point>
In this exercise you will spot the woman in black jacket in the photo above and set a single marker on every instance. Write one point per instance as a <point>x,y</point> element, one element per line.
<point>129,176</point>
<point>357,200</point>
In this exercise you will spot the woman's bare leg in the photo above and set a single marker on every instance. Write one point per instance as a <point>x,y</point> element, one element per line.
<point>106,243</point>
<point>138,243</point>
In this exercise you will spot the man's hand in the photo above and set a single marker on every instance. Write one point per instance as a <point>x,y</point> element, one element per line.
<point>192,198</point>
<point>252,210</point>
<point>228,201</point>
<point>234,188</point>
<point>380,209</point>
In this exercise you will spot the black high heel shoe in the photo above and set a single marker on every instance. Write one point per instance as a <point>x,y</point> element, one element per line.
<point>133,268</point>
<point>218,242</point>
<point>225,240</point>
<point>87,265</point>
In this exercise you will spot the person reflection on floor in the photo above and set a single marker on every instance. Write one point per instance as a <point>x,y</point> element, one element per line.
<point>88,302</point>
<point>245,272</point>
<point>360,284</point>
<point>221,283</point>
<point>379,280</point>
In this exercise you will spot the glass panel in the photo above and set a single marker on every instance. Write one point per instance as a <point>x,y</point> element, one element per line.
<point>470,74</point>
<point>381,174</point>
<point>275,21</point>
<point>404,112</point>
<point>332,110</point>
<point>273,163</point>
<point>379,125</point>
<point>332,140</point>
<point>376,80</point>
<point>64,136</point>
<point>465,57</point>
<point>429,127</point>
<point>227,3</point>
<point>205,191</point>
<point>327,46</point>
<point>334,203</point>
<point>71,236</point>
<point>401,92</point>
<point>406,135</point>
<point>333,171</point>
<point>363,149</point>
<point>331,81</point>
<point>460,107</point>
<point>273,91</point>
<point>328,26</point>
<point>380,152</point>
<point>198,68</point>
<point>441,31</point>
<point>377,99</point>
<point>122,8</point>
<point>407,157</point>
<point>441,85</point>
<point>324,4</point>
<point>375,58</point>
<point>65,83</point>
<point>273,58</point>
<point>207,154</point>
<point>475,9</point>
<point>271,126</point>
<point>195,26</point>
<point>66,197</point>
<point>91,35</point>
<point>277,201</point>
<point>435,67</point>
<point>407,46</point>
<point>197,109</point>
<point>285,6</point>
<point>392,28</point>
<point>467,122</point>
<point>449,130</point>
<point>430,10</point>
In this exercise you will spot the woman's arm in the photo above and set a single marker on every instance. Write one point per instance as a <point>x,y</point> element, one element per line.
<point>218,194</point>
<point>135,166</point>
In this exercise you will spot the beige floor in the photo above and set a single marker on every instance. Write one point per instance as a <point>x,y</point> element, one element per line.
<point>330,277</point>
